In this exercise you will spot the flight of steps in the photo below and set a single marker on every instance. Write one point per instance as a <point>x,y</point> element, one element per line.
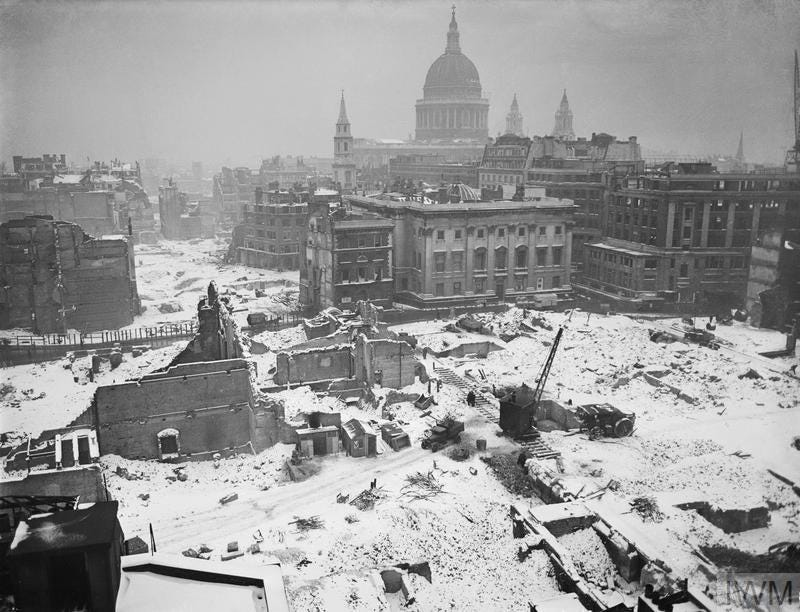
<point>489,409</point>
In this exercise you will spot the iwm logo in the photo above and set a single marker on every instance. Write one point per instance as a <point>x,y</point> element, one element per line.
<point>767,592</point>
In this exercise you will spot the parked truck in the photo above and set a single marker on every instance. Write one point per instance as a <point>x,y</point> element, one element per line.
<point>443,433</point>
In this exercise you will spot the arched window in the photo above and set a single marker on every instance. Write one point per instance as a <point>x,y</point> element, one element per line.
<point>479,259</point>
<point>521,257</point>
<point>500,258</point>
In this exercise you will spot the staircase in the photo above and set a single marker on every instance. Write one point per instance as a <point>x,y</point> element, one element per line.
<point>488,408</point>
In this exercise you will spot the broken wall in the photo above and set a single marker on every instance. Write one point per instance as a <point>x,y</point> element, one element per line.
<point>210,410</point>
<point>313,364</point>
<point>54,277</point>
<point>383,361</point>
<point>217,335</point>
<point>85,481</point>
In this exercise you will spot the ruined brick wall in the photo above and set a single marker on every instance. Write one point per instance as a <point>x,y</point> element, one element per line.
<point>211,411</point>
<point>393,359</point>
<point>311,365</point>
<point>85,481</point>
<point>218,334</point>
<point>54,277</point>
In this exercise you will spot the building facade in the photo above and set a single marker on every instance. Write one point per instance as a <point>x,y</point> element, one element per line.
<point>347,258</point>
<point>272,230</point>
<point>344,166</point>
<point>53,278</point>
<point>452,105</point>
<point>505,163</point>
<point>563,126</point>
<point>476,252</point>
<point>432,169</point>
<point>685,234</point>
<point>514,119</point>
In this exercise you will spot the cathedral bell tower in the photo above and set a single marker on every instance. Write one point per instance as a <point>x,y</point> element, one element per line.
<point>344,166</point>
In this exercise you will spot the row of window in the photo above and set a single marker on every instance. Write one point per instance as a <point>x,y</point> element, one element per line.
<point>480,258</point>
<point>500,232</point>
<point>500,179</point>
<point>651,263</point>
<point>479,285</point>
<point>362,241</point>
<point>361,274</point>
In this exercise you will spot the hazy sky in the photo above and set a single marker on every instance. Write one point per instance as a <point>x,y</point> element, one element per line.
<point>234,81</point>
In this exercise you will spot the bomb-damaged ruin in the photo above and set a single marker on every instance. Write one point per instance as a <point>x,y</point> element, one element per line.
<point>55,277</point>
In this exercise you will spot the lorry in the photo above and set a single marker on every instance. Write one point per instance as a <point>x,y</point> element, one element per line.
<point>601,420</point>
<point>443,433</point>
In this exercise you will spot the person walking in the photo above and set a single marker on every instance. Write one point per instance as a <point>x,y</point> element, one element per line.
<point>471,398</point>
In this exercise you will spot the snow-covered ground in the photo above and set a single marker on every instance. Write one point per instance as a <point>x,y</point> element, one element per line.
<point>681,450</point>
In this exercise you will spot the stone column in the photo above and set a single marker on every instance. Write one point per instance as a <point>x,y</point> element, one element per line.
<point>567,259</point>
<point>427,256</point>
<point>704,229</point>
<point>469,257</point>
<point>756,219</point>
<point>729,226</point>
<point>531,255</point>
<point>490,238</point>
<point>670,223</point>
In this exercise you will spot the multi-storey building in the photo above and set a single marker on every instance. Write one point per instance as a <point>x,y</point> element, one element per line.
<point>232,189</point>
<point>580,180</point>
<point>347,258</point>
<point>476,252</point>
<point>432,169</point>
<point>272,229</point>
<point>505,163</point>
<point>54,277</point>
<point>685,234</point>
<point>279,173</point>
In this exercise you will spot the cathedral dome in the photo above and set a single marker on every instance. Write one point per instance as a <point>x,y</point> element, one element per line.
<point>452,75</point>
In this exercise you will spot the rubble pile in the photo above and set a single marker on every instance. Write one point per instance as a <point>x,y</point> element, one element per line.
<point>589,555</point>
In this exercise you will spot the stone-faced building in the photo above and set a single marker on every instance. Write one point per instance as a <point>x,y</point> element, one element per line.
<point>347,258</point>
<point>579,180</point>
<point>432,169</point>
<point>684,234</point>
<point>452,105</point>
<point>505,162</point>
<point>272,229</point>
<point>54,277</point>
<point>474,252</point>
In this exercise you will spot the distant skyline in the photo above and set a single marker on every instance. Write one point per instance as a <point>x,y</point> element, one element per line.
<point>236,81</point>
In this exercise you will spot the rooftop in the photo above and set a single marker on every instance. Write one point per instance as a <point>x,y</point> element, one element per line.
<point>542,203</point>
<point>65,530</point>
<point>166,582</point>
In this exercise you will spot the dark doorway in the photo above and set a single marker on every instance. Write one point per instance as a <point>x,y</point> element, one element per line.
<point>84,456</point>
<point>169,445</point>
<point>499,290</point>
<point>67,456</point>
<point>69,582</point>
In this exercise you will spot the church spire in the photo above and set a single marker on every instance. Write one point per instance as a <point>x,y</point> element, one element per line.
<point>563,125</point>
<point>342,112</point>
<point>453,44</point>
<point>514,119</point>
<point>740,150</point>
